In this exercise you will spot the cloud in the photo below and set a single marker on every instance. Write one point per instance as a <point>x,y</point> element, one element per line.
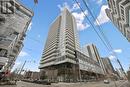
<point>65,5</point>
<point>102,18</point>
<point>81,26</point>
<point>118,50</point>
<point>111,57</point>
<point>79,16</point>
<point>23,53</point>
<point>17,63</point>
<point>30,26</point>
<point>99,1</point>
<point>75,7</point>
<point>38,36</point>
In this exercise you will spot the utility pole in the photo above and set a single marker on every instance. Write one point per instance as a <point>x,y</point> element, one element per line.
<point>21,69</point>
<point>121,67</point>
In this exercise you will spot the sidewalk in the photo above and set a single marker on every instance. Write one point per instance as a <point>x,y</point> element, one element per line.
<point>8,83</point>
<point>125,84</point>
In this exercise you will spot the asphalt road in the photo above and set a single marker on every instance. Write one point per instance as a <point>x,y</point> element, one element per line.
<point>88,84</point>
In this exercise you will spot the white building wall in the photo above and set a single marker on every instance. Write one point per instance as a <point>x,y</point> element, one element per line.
<point>62,32</point>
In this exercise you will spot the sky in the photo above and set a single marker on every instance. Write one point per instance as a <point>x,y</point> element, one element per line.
<point>45,13</point>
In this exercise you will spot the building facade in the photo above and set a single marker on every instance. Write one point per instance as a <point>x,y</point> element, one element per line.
<point>108,66</point>
<point>62,55</point>
<point>32,75</point>
<point>121,73</point>
<point>91,51</point>
<point>119,14</point>
<point>13,27</point>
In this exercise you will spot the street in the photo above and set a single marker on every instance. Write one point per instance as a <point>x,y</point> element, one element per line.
<point>87,84</point>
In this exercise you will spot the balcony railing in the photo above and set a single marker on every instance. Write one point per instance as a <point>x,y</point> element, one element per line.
<point>3,60</point>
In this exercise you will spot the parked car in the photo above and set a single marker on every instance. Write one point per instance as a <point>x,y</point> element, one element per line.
<point>44,82</point>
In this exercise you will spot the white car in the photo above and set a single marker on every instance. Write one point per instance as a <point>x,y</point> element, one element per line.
<point>106,81</point>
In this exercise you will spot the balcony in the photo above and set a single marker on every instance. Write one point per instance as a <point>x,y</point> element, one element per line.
<point>5,44</point>
<point>19,45</point>
<point>15,50</point>
<point>2,20</point>
<point>3,60</point>
<point>20,42</point>
<point>46,64</point>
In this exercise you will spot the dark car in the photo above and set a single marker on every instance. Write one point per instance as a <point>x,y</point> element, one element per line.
<point>44,82</point>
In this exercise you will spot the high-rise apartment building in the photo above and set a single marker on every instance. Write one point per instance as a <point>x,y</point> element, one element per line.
<point>91,51</point>
<point>13,27</point>
<point>60,47</point>
<point>62,59</point>
<point>121,73</point>
<point>119,14</point>
<point>108,66</point>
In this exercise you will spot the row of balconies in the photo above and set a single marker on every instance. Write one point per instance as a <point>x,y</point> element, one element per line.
<point>122,21</point>
<point>70,31</point>
<point>51,59</point>
<point>124,7</point>
<point>15,27</point>
<point>53,56</point>
<point>70,51</point>
<point>49,52</point>
<point>65,59</point>
<point>47,64</point>
<point>49,45</point>
<point>49,56</point>
<point>46,50</point>
<point>69,55</point>
<point>3,60</point>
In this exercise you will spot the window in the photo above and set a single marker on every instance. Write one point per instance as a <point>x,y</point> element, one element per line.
<point>129,18</point>
<point>2,20</point>
<point>3,53</point>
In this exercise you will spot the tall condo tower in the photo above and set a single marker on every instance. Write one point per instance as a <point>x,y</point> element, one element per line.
<point>59,52</point>
<point>62,59</point>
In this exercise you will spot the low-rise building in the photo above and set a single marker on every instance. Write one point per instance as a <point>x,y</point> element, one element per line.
<point>32,75</point>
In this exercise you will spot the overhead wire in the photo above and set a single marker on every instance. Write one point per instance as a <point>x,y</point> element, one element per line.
<point>106,42</point>
<point>102,33</point>
<point>92,25</point>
